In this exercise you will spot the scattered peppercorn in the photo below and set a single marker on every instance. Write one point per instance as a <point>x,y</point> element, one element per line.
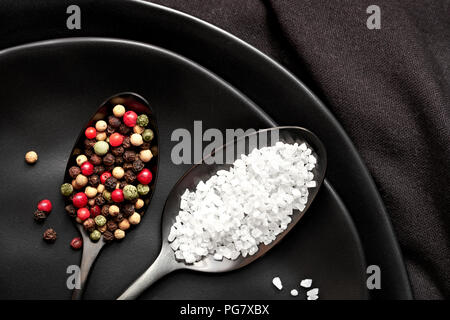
<point>76,243</point>
<point>39,215</point>
<point>31,157</point>
<point>50,235</point>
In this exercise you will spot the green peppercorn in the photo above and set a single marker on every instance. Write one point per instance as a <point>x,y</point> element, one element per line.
<point>100,220</point>
<point>130,192</point>
<point>66,189</point>
<point>142,120</point>
<point>95,235</point>
<point>148,135</point>
<point>107,195</point>
<point>143,189</point>
<point>101,148</point>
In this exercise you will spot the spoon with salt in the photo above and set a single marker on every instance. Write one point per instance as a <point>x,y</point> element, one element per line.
<point>166,262</point>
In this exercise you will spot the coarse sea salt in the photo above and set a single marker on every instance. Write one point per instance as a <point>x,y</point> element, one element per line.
<point>235,210</point>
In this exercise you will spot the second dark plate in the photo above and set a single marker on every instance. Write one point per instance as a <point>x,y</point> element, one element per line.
<point>48,91</point>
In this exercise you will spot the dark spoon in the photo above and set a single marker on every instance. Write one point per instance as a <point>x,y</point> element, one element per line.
<point>166,262</point>
<point>133,102</point>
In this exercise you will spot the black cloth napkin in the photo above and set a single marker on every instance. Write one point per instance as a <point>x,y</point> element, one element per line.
<point>389,88</point>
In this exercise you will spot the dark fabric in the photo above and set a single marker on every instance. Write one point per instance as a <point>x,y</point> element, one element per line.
<point>389,88</point>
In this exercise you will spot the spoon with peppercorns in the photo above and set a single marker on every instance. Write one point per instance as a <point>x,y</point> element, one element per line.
<point>312,158</point>
<point>109,175</point>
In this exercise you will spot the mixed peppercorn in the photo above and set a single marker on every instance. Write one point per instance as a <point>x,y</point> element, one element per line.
<point>110,181</point>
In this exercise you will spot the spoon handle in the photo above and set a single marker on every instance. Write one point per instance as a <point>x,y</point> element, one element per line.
<point>164,264</point>
<point>90,253</point>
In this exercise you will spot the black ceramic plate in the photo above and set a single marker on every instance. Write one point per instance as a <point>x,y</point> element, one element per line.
<point>261,79</point>
<point>48,92</point>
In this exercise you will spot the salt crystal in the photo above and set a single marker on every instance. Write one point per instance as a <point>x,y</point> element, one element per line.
<point>277,283</point>
<point>306,283</point>
<point>294,292</point>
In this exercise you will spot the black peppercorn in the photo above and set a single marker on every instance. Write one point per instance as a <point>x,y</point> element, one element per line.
<point>129,176</point>
<point>119,218</point>
<point>118,151</point>
<point>94,180</point>
<point>39,215</point>
<point>99,200</point>
<point>119,161</point>
<point>95,160</point>
<point>126,142</point>
<point>70,209</point>
<point>127,166</point>
<point>105,210</point>
<point>89,152</point>
<point>110,130</point>
<point>114,122</point>
<point>109,159</point>
<point>145,146</point>
<point>111,225</point>
<point>129,156</point>
<point>108,236</point>
<point>128,209</point>
<point>89,143</point>
<point>99,170</point>
<point>74,171</point>
<point>50,235</point>
<point>89,224</point>
<point>124,130</point>
<point>122,184</point>
<point>111,183</point>
<point>138,165</point>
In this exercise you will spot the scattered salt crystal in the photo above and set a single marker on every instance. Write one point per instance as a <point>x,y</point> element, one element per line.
<point>313,294</point>
<point>235,210</point>
<point>277,283</point>
<point>306,283</point>
<point>294,292</point>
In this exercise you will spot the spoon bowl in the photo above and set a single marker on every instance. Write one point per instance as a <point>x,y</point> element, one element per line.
<point>139,105</point>
<point>166,261</point>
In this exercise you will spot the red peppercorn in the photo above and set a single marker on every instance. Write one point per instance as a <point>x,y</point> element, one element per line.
<point>129,118</point>
<point>117,195</point>
<point>95,211</point>
<point>76,243</point>
<point>145,176</point>
<point>83,214</point>
<point>45,205</point>
<point>80,200</point>
<point>116,139</point>
<point>90,133</point>
<point>87,168</point>
<point>105,176</point>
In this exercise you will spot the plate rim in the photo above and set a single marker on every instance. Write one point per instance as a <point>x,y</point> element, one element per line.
<point>402,289</point>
